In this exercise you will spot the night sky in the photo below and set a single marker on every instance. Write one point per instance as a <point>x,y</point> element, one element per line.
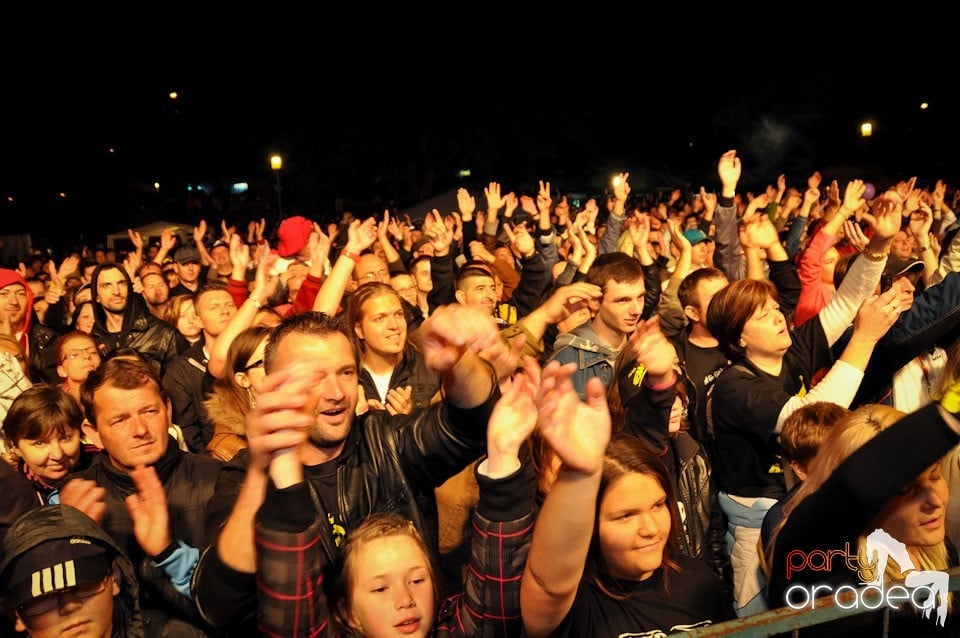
<point>365,137</point>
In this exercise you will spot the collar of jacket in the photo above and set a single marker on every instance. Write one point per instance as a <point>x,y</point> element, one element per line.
<point>164,467</point>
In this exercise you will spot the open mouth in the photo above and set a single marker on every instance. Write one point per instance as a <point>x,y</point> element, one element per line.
<point>408,626</point>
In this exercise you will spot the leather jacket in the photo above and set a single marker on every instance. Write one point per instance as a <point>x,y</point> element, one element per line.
<point>388,464</point>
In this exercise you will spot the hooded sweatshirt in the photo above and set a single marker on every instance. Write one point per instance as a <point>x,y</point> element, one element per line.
<point>35,337</point>
<point>154,339</point>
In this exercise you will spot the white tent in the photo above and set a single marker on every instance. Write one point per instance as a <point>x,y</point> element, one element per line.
<point>150,233</point>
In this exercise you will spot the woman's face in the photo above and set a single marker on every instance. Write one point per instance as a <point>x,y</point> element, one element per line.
<point>80,358</point>
<point>391,591</point>
<point>189,323</point>
<point>766,332</point>
<point>634,526</point>
<point>85,318</point>
<point>829,266</point>
<point>252,372</point>
<point>678,412</point>
<point>52,455</point>
<point>916,516</point>
<point>16,353</point>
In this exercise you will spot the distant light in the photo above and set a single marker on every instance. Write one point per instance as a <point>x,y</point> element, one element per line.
<point>691,144</point>
<point>190,187</point>
<point>111,150</point>
<point>174,95</point>
<point>10,199</point>
<point>464,172</point>
<point>276,162</point>
<point>616,180</point>
<point>924,106</point>
<point>240,187</point>
<point>866,129</point>
<point>63,195</point>
<point>156,186</point>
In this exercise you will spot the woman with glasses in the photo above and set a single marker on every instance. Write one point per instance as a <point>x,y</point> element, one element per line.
<point>77,356</point>
<point>234,393</point>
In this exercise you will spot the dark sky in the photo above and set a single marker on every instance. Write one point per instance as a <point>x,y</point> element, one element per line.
<point>393,132</point>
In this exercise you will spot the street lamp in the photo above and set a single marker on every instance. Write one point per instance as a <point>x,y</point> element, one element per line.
<point>276,163</point>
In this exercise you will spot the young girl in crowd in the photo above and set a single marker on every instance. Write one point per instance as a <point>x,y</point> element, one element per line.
<point>77,356</point>
<point>604,559</point>
<point>877,475</point>
<point>387,584</point>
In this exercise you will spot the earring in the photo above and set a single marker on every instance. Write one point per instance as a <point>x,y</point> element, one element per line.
<point>250,398</point>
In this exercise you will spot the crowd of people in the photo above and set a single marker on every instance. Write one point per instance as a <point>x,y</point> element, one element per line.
<point>516,418</point>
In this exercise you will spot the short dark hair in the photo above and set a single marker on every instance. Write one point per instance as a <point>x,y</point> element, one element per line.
<point>471,271</point>
<point>41,410</point>
<point>687,291</point>
<point>126,374</point>
<point>732,307</point>
<point>310,323</point>
<point>620,267</point>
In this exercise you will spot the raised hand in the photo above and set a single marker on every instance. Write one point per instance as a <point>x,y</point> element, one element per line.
<point>148,509</point>
<point>877,314</point>
<point>510,204</point>
<point>649,346</point>
<point>814,180</point>
<point>435,229</point>
<point>528,206</point>
<point>854,235</point>
<point>621,187</point>
<point>239,256</point>
<point>319,245</point>
<point>577,431</point>
<point>200,232</point>
<point>361,235</point>
<point>399,400</point>
<point>479,251</point>
<point>494,200</point>
<point>728,169</point>
<point>886,217</point>
<point>167,240</point>
<point>467,203</point>
<point>511,423</point>
<point>709,202</point>
<point>520,240</point>
<point>544,200</point>
<point>453,329</point>
<point>136,239</point>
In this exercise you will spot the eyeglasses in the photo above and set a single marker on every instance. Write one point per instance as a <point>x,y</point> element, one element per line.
<point>256,364</point>
<point>85,353</point>
<point>376,274</point>
<point>42,604</point>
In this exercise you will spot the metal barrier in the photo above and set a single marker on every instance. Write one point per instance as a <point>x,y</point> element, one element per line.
<point>786,620</point>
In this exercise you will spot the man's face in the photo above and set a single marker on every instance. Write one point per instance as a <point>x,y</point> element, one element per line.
<point>132,424</point>
<point>221,257</point>
<point>371,268</point>
<point>698,252</point>
<point>215,310</point>
<point>706,290</point>
<point>112,290</point>
<point>188,272</point>
<point>421,274</point>
<point>333,395</point>
<point>80,611</point>
<point>478,292</point>
<point>621,305</point>
<point>13,301</point>
<point>406,287</point>
<point>382,326</point>
<point>155,289</point>
<point>902,245</point>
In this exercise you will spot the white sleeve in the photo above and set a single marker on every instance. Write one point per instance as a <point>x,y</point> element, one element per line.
<point>861,281</point>
<point>839,386</point>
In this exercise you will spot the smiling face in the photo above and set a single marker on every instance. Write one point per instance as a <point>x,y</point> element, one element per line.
<point>391,592</point>
<point>916,516</point>
<point>52,455</point>
<point>132,424</point>
<point>333,396</point>
<point>621,305</point>
<point>634,526</point>
<point>382,326</point>
<point>13,301</point>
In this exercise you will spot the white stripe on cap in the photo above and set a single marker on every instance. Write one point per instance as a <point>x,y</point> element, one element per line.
<point>53,578</point>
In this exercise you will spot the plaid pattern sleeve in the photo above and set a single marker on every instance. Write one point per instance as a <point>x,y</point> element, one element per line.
<point>490,603</point>
<point>290,583</point>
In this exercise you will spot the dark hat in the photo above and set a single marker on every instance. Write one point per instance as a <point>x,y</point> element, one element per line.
<point>187,255</point>
<point>293,235</point>
<point>54,566</point>
<point>896,266</point>
<point>219,243</point>
<point>695,236</point>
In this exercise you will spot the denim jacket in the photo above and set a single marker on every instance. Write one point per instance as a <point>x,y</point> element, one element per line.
<point>582,346</point>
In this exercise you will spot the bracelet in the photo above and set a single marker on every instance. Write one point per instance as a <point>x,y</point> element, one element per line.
<point>255,302</point>
<point>923,248</point>
<point>350,255</point>
<point>870,256</point>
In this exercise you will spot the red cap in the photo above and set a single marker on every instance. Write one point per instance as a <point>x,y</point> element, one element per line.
<point>293,234</point>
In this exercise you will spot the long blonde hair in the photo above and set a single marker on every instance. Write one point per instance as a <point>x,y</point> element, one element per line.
<point>845,438</point>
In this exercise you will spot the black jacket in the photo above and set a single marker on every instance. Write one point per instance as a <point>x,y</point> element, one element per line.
<point>154,339</point>
<point>187,383</point>
<point>388,464</point>
<point>188,481</point>
<point>411,371</point>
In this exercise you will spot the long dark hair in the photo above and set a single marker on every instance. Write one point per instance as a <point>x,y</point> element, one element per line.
<point>627,454</point>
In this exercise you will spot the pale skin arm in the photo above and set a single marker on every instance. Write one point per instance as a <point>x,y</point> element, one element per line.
<point>360,236</point>
<point>578,433</point>
<point>167,241</point>
<point>263,287</point>
<point>390,253</point>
